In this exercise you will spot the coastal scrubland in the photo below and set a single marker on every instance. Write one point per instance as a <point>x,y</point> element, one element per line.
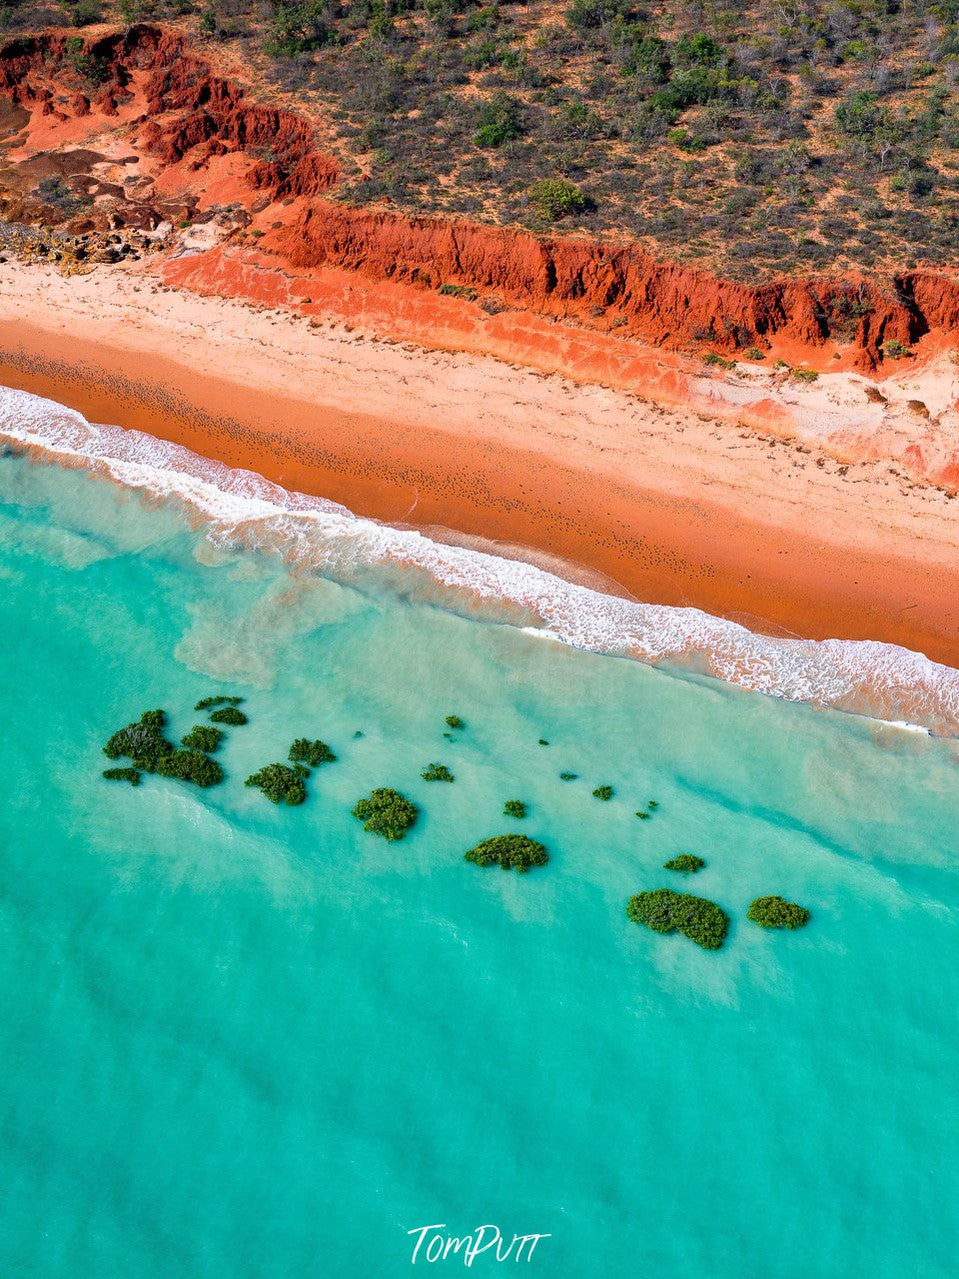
<point>751,137</point>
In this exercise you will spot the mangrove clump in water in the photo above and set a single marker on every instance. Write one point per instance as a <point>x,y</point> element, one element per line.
<point>228,715</point>
<point>205,703</point>
<point>437,773</point>
<point>303,751</point>
<point>514,808</point>
<point>685,863</point>
<point>664,911</point>
<point>509,852</point>
<point>281,785</point>
<point>603,792</point>
<point>203,737</point>
<point>386,812</point>
<point>130,775</point>
<point>145,743</point>
<point>776,912</point>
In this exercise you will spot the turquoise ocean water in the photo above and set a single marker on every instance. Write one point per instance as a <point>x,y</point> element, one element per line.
<point>244,1041</point>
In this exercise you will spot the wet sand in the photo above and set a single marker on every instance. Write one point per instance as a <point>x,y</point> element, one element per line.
<point>675,508</point>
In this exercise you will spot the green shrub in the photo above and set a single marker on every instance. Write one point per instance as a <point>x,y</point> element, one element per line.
<point>454,721</point>
<point>685,863</point>
<point>437,773</point>
<point>603,792</point>
<point>510,852</point>
<point>498,122</point>
<point>143,742</point>
<point>753,353</point>
<point>203,737</point>
<point>895,349</point>
<point>776,912</point>
<point>386,813</point>
<point>568,777</point>
<point>590,15</point>
<point>279,784</point>
<point>205,703</point>
<point>297,28</point>
<point>555,198</point>
<point>664,911</point>
<point>130,775</point>
<point>642,814</point>
<point>228,715</point>
<point>191,766</point>
<point>312,753</point>
<point>85,12</point>
<point>805,375</point>
<point>514,808</point>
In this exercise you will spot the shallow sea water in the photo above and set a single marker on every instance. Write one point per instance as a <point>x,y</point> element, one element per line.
<point>247,1041</point>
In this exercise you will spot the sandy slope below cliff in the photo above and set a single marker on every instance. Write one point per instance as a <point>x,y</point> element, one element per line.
<point>675,507</point>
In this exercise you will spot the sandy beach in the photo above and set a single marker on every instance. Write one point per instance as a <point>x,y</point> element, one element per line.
<point>669,507</point>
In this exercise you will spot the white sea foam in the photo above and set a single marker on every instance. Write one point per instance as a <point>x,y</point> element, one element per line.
<point>864,677</point>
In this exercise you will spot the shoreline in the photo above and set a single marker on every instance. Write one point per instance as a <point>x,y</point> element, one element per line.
<point>650,500</point>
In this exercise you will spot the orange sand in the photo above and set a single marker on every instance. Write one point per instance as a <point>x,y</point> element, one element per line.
<point>677,509</point>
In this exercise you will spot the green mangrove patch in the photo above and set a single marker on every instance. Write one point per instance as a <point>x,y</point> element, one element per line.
<point>664,911</point>
<point>145,743</point>
<point>206,703</point>
<point>514,808</point>
<point>131,775</point>
<point>203,737</point>
<point>776,912</point>
<point>685,863</point>
<point>454,721</point>
<point>437,773</point>
<point>228,715</point>
<point>314,753</point>
<point>603,792</point>
<point>386,812</point>
<point>280,784</point>
<point>509,852</point>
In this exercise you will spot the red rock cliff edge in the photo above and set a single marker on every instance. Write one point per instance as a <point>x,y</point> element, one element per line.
<point>193,115</point>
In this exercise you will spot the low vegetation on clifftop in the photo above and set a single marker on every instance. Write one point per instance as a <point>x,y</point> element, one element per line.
<point>748,136</point>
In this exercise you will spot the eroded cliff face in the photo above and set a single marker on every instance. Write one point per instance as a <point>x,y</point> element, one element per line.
<point>172,105</point>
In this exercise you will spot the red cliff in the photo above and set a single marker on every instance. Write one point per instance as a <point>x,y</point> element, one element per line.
<point>193,114</point>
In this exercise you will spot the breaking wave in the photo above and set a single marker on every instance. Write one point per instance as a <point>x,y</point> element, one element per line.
<point>239,507</point>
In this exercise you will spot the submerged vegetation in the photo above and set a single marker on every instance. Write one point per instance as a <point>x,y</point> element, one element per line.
<point>437,773</point>
<point>203,737</point>
<point>454,721</point>
<point>386,812</point>
<point>776,912</point>
<point>514,808</point>
<point>510,852</point>
<point>685,863</point>
<point>304,751</point>
<point>568,777</point>
<point>228,715</point>
<point>664,911</point>
<point>280,784</point>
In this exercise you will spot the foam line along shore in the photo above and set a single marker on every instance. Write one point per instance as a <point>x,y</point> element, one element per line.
<point>866,677</point>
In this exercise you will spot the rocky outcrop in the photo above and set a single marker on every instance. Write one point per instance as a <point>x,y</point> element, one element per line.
<point>189,110</point>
